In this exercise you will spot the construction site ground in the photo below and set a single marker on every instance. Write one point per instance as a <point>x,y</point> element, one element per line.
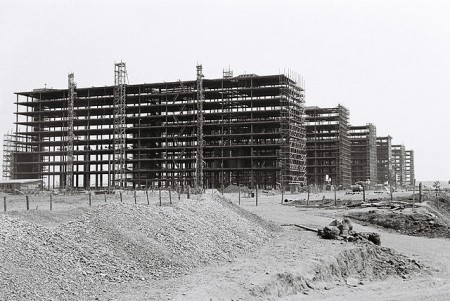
<point>209,249</point>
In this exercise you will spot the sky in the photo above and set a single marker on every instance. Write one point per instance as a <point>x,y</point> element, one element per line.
<point>387,61</point>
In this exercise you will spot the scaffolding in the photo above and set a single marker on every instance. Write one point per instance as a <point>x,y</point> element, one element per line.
<point>120,166</point>
<point>250,123</point>
<point>70,128</point>
<point>200,121</point>
<point>9,145</point>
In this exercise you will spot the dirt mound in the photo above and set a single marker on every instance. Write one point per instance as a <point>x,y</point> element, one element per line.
<point>417,224</point>
<point>114,243</point>
<point>352,266</point>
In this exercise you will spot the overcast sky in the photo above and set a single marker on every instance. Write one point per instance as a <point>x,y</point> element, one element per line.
<point>387,61</point>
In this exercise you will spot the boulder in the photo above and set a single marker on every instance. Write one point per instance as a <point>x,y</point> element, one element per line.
<point>330,232</point>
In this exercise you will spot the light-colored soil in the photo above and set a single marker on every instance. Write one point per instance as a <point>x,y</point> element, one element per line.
<point>293,265</point>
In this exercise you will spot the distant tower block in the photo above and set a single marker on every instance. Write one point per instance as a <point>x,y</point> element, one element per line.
<point>120,74</point>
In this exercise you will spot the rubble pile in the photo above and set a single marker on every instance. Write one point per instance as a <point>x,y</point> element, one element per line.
<point>118,242</point>
<point>344,231</point>
<point>417,224</point>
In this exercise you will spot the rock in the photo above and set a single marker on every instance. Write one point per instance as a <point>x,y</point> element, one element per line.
<point>330,232</point>
<point>352,281</point>
<point>348,223</point>
<point>375,238</point>
<point>335,223</point>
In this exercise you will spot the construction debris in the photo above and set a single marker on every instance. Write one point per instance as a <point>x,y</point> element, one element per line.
<point>344,231</point>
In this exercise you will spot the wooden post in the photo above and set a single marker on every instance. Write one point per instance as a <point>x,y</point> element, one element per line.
<point>420,192</point>
<point>189,192</point>
<point>414,194</point>
<point>282,194</point>
<point>105,197</point>
<point>90,199</point>
<point>51,202</point>
<point>160,201</point>
<point>135,201</point>
<point>28,202</point>
<point>179,193</point>
<point>146,193</point>
<point>239,195</point>
<point>170,195</point>
<point>121,199</point>
<point>307,200</point>
<point>364,193</point>
<point>4,203</point>
<point>335,200</point>
<point>256,194</point>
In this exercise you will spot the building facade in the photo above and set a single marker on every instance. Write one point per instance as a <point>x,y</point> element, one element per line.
<point>409,161</point>
<point>399,165</point>
<point>363,141</point>
<point>251,127</point>
<point>327,146</point>
<point>384,160</point>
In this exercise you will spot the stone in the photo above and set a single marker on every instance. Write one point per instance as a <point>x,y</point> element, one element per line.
<point>375,238</point>
<point>352,281</point>
<point>330,232</point>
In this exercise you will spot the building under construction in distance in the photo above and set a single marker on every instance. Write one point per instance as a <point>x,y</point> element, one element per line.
<point>328,146</point>
<point>363,141</point>
<point>243,130</point>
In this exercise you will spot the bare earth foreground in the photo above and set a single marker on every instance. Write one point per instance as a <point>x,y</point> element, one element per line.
<point>206,249</point>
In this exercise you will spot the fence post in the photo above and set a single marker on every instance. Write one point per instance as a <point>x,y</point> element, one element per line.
<point>256,194</point>
<point>135,201</point>
<point>282,194</point>
<point>4,203</point>
<point>121,200</point>
<point>90,199</point>
<point>307,200</point>
<point>170,195</point>
<point>335,200</point>
<point>239,195</point>
<point>189,192</point>
<point>51,202</point>
<point>105,197</point>
<point>160,201</point>
<point>146,193</point>
<point>28,202</point>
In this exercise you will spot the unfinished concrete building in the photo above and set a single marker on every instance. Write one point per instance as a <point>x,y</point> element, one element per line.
<point>363,141</point>
<point>384,159</point>
<point>242,130</point>
<point>409,163</point>
<point>399,165</point>
<point>327,146</point>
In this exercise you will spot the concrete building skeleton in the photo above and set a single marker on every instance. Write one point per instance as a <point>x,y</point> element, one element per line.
<point>363,141</point>
<point>399,164</point>
<point>252,133</point>
<point>327,146</point>
<point>409,165</point>
<point>384,160</point>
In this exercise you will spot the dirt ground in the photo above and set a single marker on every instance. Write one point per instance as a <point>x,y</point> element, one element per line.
<point>293,265</point>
